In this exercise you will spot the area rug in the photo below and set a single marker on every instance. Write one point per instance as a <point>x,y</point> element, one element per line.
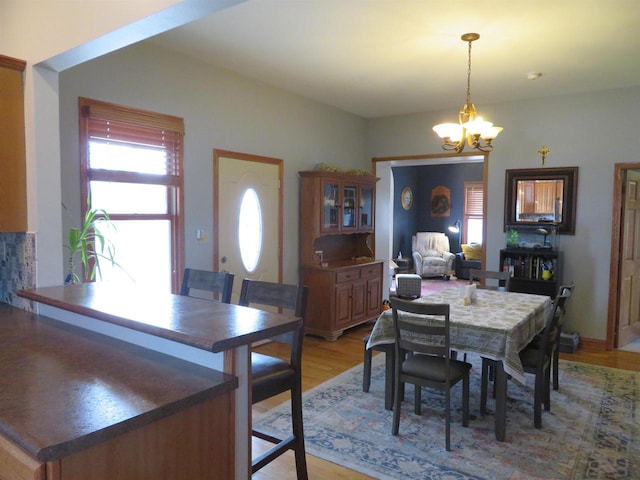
<point>429,286</point>
<point>591,431</point>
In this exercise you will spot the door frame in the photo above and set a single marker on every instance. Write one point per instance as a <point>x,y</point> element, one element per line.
<point>616,236</point>
<point>217,153</point>
<point>428,159</point>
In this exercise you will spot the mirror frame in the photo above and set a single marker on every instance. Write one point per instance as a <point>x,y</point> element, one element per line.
<point>569,194</point>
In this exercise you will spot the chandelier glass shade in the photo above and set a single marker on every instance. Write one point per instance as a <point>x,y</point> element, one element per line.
<point>471,129</point>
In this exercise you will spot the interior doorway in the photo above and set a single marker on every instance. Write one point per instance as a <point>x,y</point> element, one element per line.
<point>381,167</point>
<point>623,322</point>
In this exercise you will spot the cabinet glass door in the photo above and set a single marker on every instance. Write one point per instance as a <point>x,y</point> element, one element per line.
<point>349,206</point>
<point>366,208</point>
<point>331,203</point>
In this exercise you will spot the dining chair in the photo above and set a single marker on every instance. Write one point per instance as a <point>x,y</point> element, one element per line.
<point>220,283</point>
<point>427,363</point>
<point>387,349</point>
<point>271,376</point>
<point>566,290</point>
<point>536,361</point>
<point>498,280</point>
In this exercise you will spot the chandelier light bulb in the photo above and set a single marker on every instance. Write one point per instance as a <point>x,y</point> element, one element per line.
<point>451,131</point>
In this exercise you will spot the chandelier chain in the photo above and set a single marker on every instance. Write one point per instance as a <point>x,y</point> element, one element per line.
<point>469,75</point>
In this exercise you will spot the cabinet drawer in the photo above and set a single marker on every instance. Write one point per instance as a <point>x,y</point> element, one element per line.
<point>370,271</point>
<point>348,275</point>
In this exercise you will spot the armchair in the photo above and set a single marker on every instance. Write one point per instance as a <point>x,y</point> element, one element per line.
<point>470,258</point>
<point>431,255</point>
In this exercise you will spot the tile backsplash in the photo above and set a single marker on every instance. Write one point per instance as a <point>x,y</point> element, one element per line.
<point>17,267</point>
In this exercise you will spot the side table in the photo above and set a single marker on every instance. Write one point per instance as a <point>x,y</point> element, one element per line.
<point>405,265</point>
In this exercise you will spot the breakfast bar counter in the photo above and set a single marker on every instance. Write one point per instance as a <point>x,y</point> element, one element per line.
<point>202,324</point>
<point>71,398</point>
<point>207,333</point>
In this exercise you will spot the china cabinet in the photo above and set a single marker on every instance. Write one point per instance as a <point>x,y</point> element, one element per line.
<point>337,260</point>
<point>13,175</point>
<point>347,206</point>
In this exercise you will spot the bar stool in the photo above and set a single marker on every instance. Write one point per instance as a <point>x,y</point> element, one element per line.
<point>271,376</point>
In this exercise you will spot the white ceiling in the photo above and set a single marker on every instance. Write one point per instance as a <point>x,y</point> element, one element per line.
<point>388,57</point>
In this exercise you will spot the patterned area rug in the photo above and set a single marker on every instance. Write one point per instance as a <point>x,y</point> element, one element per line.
<point>431,286</point>
<point>591,432</point>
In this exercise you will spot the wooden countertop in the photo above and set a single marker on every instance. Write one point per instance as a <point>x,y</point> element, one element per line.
<point>64,389</point>
<point>203,324</point>
<point>344,264</point>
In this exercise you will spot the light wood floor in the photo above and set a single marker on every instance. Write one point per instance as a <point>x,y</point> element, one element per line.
<point>323,360</point>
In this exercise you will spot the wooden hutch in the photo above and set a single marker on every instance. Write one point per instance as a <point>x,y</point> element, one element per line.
<point>337,258</point>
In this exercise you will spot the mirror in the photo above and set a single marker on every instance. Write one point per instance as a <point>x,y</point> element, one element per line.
<point>541,196</point>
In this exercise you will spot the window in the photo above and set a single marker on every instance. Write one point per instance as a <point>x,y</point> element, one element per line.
<point>131,166</point>
<point>250,230</point>
<point>473,212</point>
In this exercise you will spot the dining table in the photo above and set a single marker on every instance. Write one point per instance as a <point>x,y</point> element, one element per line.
<point>497,325</point>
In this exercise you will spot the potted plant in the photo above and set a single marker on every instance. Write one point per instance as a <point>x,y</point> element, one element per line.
<point>89,245</point>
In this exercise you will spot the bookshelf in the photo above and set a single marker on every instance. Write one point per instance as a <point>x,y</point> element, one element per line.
<point>528,267</point>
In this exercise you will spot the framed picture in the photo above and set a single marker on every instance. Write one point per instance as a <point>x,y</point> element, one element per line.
<point>440,202</point>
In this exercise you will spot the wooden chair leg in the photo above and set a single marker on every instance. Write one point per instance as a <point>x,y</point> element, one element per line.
<point>465,401</point>
<point>547,389</point>
<point>484,385</point>
<point>537,401</point>
<point>556,383</point>
<point>389,378</point>
<point>447,415</point>
<point>298,431</point>
<point>396,406</point>
<point>366,374</point>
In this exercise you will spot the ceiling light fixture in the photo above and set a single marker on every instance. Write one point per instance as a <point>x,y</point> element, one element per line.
<point>471,128</point>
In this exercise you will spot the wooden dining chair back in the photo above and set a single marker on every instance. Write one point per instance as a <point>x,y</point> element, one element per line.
<point>490,280</point>
<point>537,360</point>
<point>422,357</point>
<point>566,291</point>
<point>271,375</point>
<point>201,283</point>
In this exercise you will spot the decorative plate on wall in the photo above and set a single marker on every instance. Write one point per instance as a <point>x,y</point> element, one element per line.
<point>406,197</point>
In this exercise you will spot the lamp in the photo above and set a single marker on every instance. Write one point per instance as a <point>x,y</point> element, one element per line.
<point>456,227</point>
<point>471,128</point>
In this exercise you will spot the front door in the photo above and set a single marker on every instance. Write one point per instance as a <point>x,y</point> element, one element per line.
<point>247,217</point>
<point>628,321</point>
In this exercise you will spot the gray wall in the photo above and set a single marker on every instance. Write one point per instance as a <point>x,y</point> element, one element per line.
<point>593,131</point>
<point>221,110</point>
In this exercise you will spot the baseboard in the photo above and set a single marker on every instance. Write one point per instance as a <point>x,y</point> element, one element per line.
<point>593,344</point>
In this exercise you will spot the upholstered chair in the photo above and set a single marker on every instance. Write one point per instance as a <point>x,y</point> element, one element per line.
<point>431,254</point>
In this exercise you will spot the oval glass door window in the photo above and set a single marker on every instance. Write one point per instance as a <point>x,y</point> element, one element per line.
<point>250,230</point>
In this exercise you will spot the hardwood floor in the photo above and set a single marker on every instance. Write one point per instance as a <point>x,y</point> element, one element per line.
<point>323,360</point>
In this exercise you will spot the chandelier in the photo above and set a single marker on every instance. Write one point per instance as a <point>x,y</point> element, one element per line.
<point>471,128</point>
